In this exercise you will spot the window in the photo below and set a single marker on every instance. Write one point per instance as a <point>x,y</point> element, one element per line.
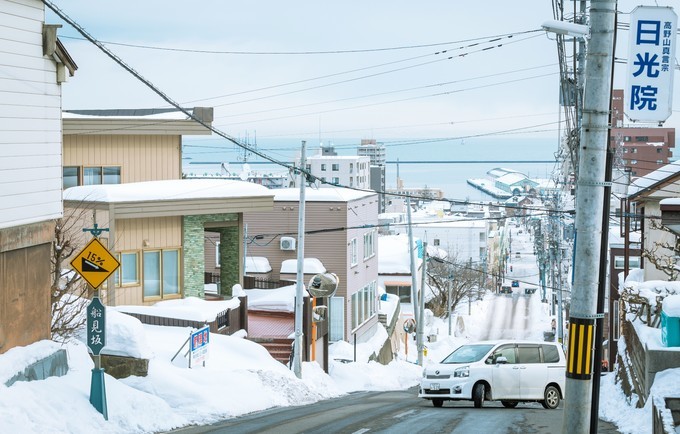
<point>641,138</point>
<point>435,242</point>
<point>217,253</point>
<point>309,167</point>
<point>482,237</point>
<point>353,254</point>
<point>659,161</point>
<point>127,274</point>
<point>336,180</point>
<point>615,317</point>
<point>400,289</point>
<point>323,167</point>
<point>658,150</point>
<point>92,176</point>
<point>626,138</point>
<point>98,175</point>
<point>633,262</point>
<point>507,351</point>
<point>71,176</point>
<point>369,246</point>
<point>363,304</point>
<point>633,150</point>
<point>633,161</point>
<point>351,181</point>
<point>351,167</point>
<point>529,354</point>
<point>161,273</point>
<point>129,264</point>
<point>335,167</point>
<point>550,354</point>
<point>336,329</point>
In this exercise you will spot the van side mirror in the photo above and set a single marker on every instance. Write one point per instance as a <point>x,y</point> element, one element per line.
<point>501,360</point>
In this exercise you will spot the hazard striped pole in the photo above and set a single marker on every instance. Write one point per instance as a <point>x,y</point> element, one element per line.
<point>579,354</point>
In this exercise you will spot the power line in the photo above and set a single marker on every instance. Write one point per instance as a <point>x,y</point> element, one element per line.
<point>296,53</point>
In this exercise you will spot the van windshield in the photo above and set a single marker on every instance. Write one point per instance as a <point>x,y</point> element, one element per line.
<point>468,354</point>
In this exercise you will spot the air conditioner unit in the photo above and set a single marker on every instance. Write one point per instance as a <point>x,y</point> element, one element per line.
<point>287,243</point>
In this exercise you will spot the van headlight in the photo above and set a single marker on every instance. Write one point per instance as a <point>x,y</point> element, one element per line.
<point>462,372</point>
<point>424,373</point>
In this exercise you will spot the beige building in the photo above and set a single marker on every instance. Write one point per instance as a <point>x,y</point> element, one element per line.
<point>341,232</point>
<point>123,168</point>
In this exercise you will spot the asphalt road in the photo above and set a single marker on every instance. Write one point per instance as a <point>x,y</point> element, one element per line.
<point>395,413</point>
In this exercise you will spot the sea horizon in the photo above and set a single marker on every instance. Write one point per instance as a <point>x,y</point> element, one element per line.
<point>459,160</point>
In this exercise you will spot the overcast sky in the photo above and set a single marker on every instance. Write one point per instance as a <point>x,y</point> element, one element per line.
<point>502,74</point>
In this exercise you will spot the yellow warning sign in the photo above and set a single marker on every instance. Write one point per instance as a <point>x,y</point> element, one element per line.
<point>95,263</point>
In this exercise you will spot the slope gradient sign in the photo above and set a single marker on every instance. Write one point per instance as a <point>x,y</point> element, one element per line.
<point>95,263</point>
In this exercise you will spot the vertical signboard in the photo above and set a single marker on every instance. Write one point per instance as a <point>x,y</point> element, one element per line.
<point>651,63</point>
<point>199,346</point>
<point>96,326</point>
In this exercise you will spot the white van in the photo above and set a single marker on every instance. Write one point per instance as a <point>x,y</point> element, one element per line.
<point>506,371</point>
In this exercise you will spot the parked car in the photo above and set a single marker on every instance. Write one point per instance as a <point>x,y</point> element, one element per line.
<point>515,283</point>
<point>506,289</point>
<point>529,291</point>
<point>505,371</point>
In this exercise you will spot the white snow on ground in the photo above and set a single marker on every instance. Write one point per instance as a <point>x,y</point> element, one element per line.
<point>173,395</point>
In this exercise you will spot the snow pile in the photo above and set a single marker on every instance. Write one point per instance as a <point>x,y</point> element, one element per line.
<point>189,308</point>
<point>273,300</point>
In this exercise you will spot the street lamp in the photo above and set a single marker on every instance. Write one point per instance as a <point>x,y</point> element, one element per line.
<point>566,28</point>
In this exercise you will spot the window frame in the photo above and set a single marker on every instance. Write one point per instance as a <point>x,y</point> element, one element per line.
<point>162,295</point>
<point>353,253</point>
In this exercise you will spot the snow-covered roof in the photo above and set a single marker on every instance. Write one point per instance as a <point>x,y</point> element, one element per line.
<point>273,300</point>
<point>331,194</point>
<point>257,264</point>
<point>659,175</point>
<point>167,114</point>
<point>173,189</point>
<point>670,201</point>
<point>512,178</point>
<point>394,257</point>
<point>189,308</point>
<point>449,224</point>
<point>310,266</point>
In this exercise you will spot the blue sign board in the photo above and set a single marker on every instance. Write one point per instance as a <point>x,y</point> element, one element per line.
<point>96,326</point>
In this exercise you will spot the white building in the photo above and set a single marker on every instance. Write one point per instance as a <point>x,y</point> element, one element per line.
<point>346,170</point>
<point>34,66</point>
<point>464,240</point>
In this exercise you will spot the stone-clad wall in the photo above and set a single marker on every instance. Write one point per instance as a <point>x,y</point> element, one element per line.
<point>194,255</point>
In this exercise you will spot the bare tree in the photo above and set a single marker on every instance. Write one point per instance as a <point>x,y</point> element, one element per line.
<point>461,279</point>
<point>69,291</point>
<point>663,254</point>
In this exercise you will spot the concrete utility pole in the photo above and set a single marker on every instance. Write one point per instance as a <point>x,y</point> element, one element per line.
<point>299,288</point>
<point>420,326</point>
<point>414,279</point>
<point>589,196</point>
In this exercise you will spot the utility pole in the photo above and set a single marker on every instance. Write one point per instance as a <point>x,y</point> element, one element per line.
<point>589,196</point>
<point>420,327</point>
<point>299,287</point>
<point>414,279</point>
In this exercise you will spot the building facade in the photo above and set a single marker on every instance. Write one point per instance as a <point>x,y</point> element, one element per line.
<point>639,150</point>
<point>30,169</point>
<point>341,232</point>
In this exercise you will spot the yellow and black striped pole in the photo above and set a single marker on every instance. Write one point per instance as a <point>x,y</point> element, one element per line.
<point>579,354</point>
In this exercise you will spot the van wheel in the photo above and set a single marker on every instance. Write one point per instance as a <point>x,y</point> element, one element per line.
<point>478,395</point>
<point>437,402</point>
<point>552,398</point>
<point>509,404</point>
